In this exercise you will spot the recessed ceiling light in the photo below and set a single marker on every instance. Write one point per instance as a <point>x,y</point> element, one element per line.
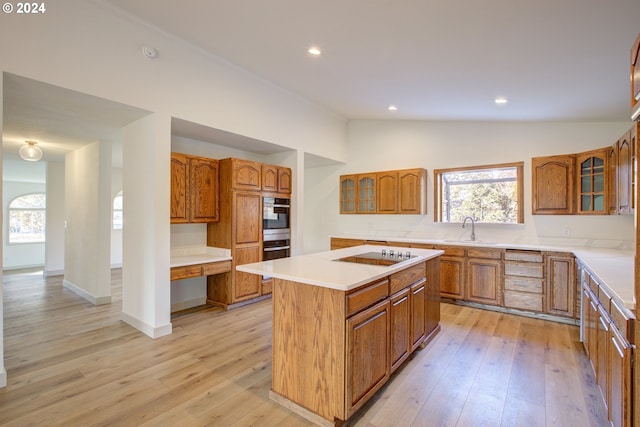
<point>392,108</point>
<point>315,51</point>
<point>501,100</point>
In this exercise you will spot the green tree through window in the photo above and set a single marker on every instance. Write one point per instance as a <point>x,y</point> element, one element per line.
<point>489,194</point>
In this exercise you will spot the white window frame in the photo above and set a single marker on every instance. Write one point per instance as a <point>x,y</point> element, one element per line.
<point>42,211</point>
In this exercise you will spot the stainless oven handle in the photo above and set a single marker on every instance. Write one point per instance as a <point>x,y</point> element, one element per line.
<point>279,248</point>
<point>278,206</point>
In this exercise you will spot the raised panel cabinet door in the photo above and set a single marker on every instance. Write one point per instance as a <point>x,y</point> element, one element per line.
<point>269,178</point>
<point>553,185</point>
<point>432,285</point>
<point>285,183</point>
<point>348,184</point>
<point>604,339</point>
<point>483,281</point>
<point>248,220</point>
<point>368,353</point>
<point>612,187</point>
<point>179,190</point>
<point>620,396</point>
<point>411,191</point>
<point>204,190</point>
<point>452,277</point>
<point>400,327</point>
<point>246,175</point>
<point>418,313</point>
<point>246,285</point>
<point>624,175</point>
<point>387,192</point>
<point>561,286</point>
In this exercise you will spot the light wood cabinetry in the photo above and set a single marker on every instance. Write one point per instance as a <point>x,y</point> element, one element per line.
<point>593,182</point>
<point>194,189</point>
<point>523,279</point>
<point>553,190</point>
<point>484,276</point>
<point>452,273</point>
<point>622,176</point>
<point>276,179</point>
<point>366,333</point>
<point>561,284</point>
<point>196,270</point>
<point>606,337</point>
<point>387,192</point>
<point>245,174</point>
<point>239,229</point>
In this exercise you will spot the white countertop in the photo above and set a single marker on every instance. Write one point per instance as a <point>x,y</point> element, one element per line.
<point>613,267</point>
<point>190,255</point>
<point>321,269</point>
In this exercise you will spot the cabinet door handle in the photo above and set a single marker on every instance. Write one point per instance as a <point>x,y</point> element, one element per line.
<point>615,343</point>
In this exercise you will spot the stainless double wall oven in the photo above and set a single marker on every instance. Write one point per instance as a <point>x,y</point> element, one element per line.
<point>276,231</point>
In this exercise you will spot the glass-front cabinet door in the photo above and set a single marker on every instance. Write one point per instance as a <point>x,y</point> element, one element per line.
<point>593,182</point>
<point>367,193</point>
<point>348,194</point>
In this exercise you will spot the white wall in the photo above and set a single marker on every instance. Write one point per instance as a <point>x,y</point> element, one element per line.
<point>88,222</point>
<point>54,247</point>
<point>89,47</point>
<point>384,145</point>
<point>3,370</point>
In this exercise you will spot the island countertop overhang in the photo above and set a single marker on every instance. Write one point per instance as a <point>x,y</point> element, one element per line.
<point>323,269</point>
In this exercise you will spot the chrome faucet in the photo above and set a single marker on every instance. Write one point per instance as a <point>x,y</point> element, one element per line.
<point>473,227</point>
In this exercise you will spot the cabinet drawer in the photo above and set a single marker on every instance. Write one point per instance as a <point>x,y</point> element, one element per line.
<point>594,285</point>
<point>484,253</point>
<point>450,250</point>
<point>185,272</point>
<point>605,298</point>
<point>622,320</point>
<point>406,277</point>
<point>367,296</point>
<point>522,300</point>
<point>267,286</point>
<point>524,269</point>
<point>212,268</point>
<point>520,255</point>
<point>523,284</point>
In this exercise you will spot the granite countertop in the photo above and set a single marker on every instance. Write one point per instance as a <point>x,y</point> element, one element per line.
<point>323,269</point>
<point>613,267</point>
<point>191,255</point>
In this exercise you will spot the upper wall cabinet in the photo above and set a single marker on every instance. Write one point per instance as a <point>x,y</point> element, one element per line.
<point>245,175</point>
<point>621,178</point>
<point>276,179</point>
<point>388,192</point>
<point>553,185</point>
<point>635,79</point>
<point>593,182</point>
<point>194,189</point>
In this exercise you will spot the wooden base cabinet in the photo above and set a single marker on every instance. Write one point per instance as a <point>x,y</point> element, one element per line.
<point>484,276</point>
<point>606,335</point>
<point>333,350</point>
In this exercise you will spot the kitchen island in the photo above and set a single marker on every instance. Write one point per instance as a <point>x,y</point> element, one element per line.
<point>344,321</point>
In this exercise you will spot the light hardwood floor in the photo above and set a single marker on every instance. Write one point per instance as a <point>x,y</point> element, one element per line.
<point>73,364</point>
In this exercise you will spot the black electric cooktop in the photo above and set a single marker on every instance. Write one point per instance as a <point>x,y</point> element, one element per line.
<point>377,258</point>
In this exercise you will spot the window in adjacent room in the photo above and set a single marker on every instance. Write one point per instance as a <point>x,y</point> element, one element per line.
<point>27,218</point>
<point>117,211</point>
<point>488,194</point>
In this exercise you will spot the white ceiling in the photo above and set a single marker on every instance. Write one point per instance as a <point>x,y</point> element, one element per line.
<point>434,59</point>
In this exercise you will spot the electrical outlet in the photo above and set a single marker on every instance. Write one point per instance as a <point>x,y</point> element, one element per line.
<point>566,232</point>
